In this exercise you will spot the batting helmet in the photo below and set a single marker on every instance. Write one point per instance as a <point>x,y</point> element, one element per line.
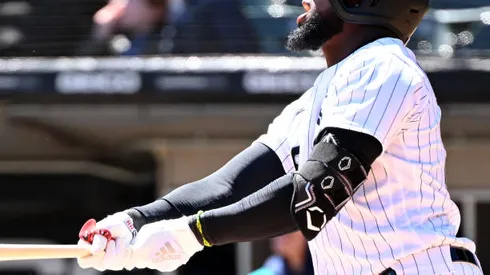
<point>400,16</point>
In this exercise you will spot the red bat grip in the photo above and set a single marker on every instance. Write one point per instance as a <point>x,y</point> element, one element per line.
<point>88,232</point>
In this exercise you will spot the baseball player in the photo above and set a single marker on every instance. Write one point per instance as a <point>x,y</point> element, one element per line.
<point>356,164</point>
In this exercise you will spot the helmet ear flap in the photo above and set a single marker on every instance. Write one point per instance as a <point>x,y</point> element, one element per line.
<point>400,16</point>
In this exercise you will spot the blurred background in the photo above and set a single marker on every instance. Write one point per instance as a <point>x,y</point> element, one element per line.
<point>110,104</point>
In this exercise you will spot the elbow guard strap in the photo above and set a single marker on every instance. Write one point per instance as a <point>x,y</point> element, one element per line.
<point>325,183</point>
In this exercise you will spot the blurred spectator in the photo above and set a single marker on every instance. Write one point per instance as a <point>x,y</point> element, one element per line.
<point>211,26</point>
<point>44,27</point>
<point>291,257</point>
<point>146,27</point>
<point>149,27</point>
<point>127,27</point>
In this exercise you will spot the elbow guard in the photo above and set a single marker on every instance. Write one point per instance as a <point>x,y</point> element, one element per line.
<point>324,184</point>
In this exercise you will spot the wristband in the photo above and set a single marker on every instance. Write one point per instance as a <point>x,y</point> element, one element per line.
<point>199,227</point>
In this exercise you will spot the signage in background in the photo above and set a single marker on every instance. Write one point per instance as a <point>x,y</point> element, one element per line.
<point>227,76</point>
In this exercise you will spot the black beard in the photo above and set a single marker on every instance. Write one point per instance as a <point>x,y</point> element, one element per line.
<point>313,33</point>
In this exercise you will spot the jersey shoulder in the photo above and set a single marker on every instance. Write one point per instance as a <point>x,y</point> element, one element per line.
<point>380,60</point>
<point>384,52</point>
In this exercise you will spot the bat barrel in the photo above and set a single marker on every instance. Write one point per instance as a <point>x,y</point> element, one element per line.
<point>15,252</point>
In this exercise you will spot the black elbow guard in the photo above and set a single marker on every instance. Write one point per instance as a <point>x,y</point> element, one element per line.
<point>324,184</point>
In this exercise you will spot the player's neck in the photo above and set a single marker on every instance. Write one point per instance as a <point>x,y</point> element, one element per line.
<point>351,39</point>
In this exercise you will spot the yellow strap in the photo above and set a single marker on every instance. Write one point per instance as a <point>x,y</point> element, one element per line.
<point>199,227</point>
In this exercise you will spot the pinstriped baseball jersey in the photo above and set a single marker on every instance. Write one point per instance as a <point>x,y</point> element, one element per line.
<point>403,216</point>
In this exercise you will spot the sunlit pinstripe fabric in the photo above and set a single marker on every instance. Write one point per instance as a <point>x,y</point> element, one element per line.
<point>402,217</point>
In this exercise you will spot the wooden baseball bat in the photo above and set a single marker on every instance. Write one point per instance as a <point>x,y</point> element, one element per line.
<point>17,252</point>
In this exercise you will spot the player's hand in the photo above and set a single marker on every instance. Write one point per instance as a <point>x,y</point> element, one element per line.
<point>111,254</point>
<point>165,245</point>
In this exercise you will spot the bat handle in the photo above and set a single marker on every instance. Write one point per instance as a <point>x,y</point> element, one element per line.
<point>88,231</point>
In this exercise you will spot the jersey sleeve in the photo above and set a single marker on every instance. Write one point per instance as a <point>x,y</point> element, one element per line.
<point>276,137</point>
<point>278,132</point>
<point>376,98</point>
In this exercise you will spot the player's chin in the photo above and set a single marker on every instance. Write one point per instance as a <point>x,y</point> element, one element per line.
<point>310,34</point>
<point>299,41</point>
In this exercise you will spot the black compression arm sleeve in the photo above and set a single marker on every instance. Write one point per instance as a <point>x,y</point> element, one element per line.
<point>264,214</point>
<point>247,172</point>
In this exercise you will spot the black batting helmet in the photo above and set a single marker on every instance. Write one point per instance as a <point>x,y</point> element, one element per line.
<point>400,16</point>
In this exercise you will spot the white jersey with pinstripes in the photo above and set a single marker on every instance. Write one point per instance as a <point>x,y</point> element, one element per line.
<point>403,216</point>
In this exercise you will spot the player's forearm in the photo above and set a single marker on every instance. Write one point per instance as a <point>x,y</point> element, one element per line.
<point>261,215</point>
<point>246,173</point>
<point>341,156</point>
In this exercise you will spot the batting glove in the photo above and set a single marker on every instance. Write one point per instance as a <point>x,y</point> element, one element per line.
<point>164,246</point>
<point>113,253</point>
